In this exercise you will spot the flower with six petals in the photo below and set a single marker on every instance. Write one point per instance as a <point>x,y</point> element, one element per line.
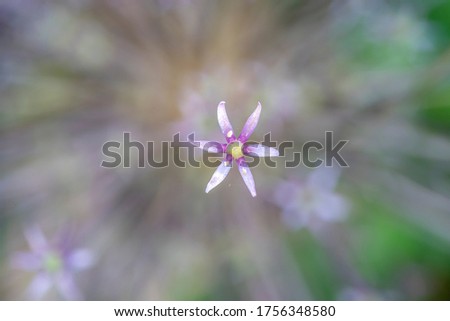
<point>53,265</point>
<point>312,202</point>
<point>236,148</point>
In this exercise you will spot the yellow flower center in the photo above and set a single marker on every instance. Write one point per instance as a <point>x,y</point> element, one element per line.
<point>52,262</point>
<point>235,149</point>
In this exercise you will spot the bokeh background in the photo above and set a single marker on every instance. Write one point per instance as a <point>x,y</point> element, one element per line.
<point>75,74</point>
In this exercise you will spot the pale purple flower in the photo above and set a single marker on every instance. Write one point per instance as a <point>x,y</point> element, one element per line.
<point>53,265</point>
<point>236,149</point>
<point>312,202</point>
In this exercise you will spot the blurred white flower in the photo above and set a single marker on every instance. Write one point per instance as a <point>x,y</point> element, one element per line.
<point>313,202</point>
<point>53,265</point>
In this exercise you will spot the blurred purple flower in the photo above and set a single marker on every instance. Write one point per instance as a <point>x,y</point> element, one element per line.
<point>313,202</point>
<point>54,265</point>
<point>236,148</point>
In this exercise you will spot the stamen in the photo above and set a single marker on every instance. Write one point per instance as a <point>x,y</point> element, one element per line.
<point>236,150</point>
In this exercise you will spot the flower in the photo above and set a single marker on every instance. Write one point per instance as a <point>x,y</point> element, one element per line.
<point>53,265</point>
<point>312,202</point>
<point>236,148</point>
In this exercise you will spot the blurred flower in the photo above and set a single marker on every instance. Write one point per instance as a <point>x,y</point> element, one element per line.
<point>312,202</point>
<point>235,149</point>
<point>53,265</point>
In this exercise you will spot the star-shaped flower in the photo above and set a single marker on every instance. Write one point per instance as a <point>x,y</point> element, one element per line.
<point>236,149</point>
<point>54,265</point>
<point>312,202</point>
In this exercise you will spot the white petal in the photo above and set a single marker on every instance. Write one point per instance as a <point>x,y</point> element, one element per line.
<point>261,150</point>
<point>224,122</point>
<point>250,124</point>
<point>219,175</point>
<point>247,177</point>
<point>39,286</point>
<point>81,259</point>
